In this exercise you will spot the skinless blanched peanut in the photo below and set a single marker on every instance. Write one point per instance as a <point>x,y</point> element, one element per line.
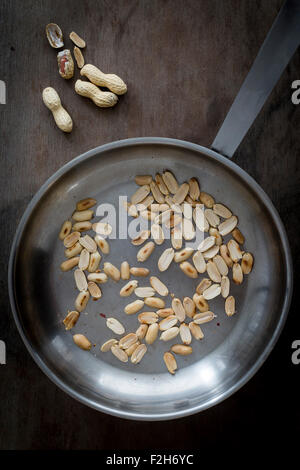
<point>71,239</point>
<point>213,251</point>
<point>188,230</point>
<point>225,286</point>
<point>142,331</point>
<point>200,303</point>
<point>144,292</point>
<point>86,203</point>
<point>82,342</point>
<point>148,317</point>
<point>140,194</point>
<point>215,233</point>
<point>144,253</point>
<point>225,255</point>
<point>108,344</point>
<point>188,269</point>
<point>207,200</point>
<point>213,272</point>
<point>222,211</point>
<point>107,80</point>
<point>128,289</point>
<point>181,193</point>
<point>80,280</point>
<point>112,271</point>
<point>102,99</point>
<point>237,273</point>
<point>94,290</point>
<point>102,244</point>
<point>212,218</point>
<point>183,254</point>
<point>181,349</point>
<point>161,185</point>
<point>168,322</point>
<point>145,203</point>
<point>61,117</point>
<point>128,340</point>
<point>65,229</point>
<point>71,320</point>
<point>185,333</point>
<point>247,263</point>
<point>119,353</point>
<point>129,351</point>
<point>114,325</point>
<point>82,226</point>
<point>141,180</point>
<point>196,330</point>
<point>152,333</point>
<point>170,362</point>
<point>138,353</point>
<point>213,291</point>
<point>169,334</point>
<point>238,236</point>
<point>199,262</point>
<point>166,259</point>
<point>69,264</point>
<point>221,265</point>
<point>189,307</point>
<point>155,302</point>
<point>203,317</point>
<point>159,286</point>
<point>83,215</point>
<point>82,300</point>
<point>228,225</point>
<point>88,243</point>
<point>194,190</point>
<point>165,312</point>
<point>230,306</point>
<point>95,259</point>
<point>158,196</point>
<point>73,250</point>
<point>203,285</point>
<point>178,309</point>
<point>206,244</point>
<point>234,251</point>
<point>139,272</point>
<point>99,278</point>
<point>176,238</point>
<point>125,271</point>
<point>170,181</point>
<point>200,219</point>
<point>134,307</point>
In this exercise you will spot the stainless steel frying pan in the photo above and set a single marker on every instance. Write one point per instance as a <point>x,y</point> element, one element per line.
<point>233,348</point>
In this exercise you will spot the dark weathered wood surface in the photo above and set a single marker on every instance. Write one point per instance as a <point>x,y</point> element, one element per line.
<point>184,62</point>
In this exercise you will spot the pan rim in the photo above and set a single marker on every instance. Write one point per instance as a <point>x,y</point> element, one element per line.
<point>269,345</point>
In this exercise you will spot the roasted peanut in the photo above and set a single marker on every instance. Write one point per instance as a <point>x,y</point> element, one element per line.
<point>108,80</point>
<point>103,99</point>
<point>61,117</point>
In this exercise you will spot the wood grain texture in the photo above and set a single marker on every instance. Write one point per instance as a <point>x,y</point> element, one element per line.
<point>183,62</point>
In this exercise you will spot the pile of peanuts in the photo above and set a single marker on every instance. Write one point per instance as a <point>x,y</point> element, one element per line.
<point>89,89</point>
<point>162,202</point>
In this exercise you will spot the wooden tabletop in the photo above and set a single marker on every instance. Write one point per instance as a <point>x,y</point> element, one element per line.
<point>184,62</point>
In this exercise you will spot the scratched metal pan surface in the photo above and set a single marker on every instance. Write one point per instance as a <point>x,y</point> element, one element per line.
<point>232,349</point>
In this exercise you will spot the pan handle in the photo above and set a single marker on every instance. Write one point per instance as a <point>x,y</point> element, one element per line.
<point>273,57</point>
